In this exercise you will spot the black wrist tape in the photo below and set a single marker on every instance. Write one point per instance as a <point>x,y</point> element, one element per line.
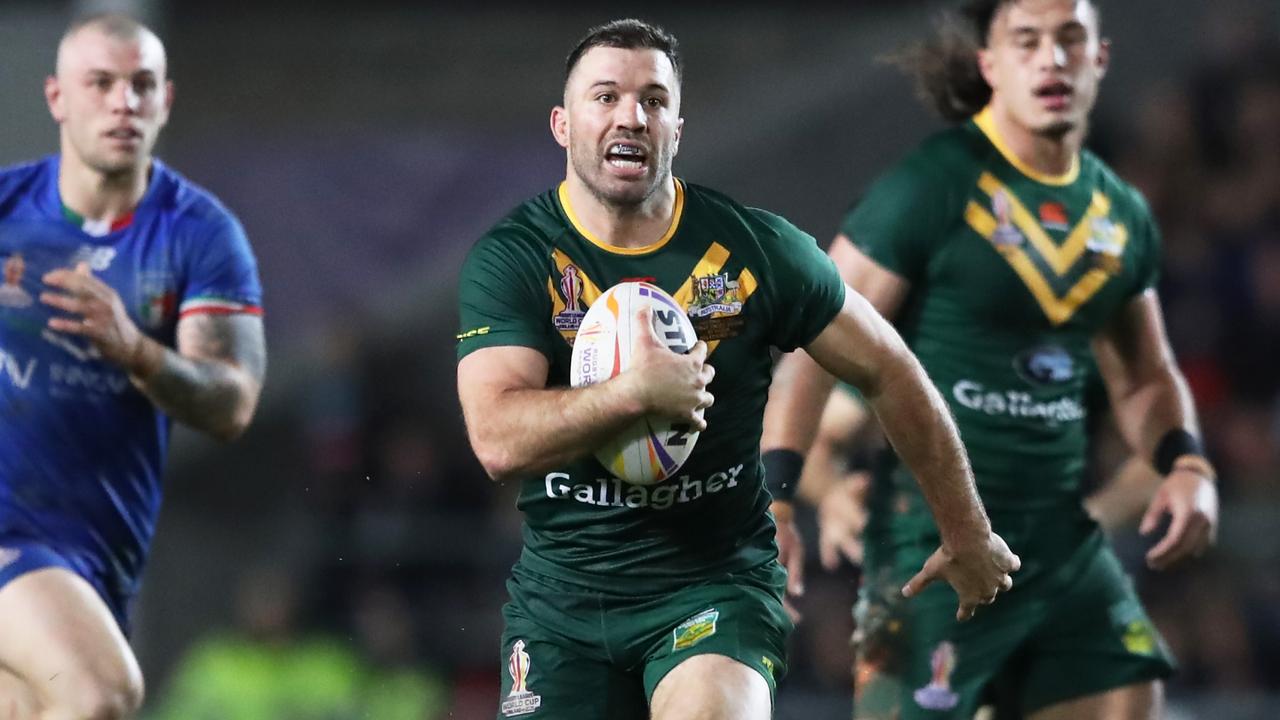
<point>1175,443</point>
<point>782,472</point>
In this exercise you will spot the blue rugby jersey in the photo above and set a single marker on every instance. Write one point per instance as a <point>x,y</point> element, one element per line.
<point>81,450</point>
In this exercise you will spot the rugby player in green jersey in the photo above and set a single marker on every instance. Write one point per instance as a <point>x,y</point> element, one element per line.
<point>1010,259</point>
<point>665,601</point>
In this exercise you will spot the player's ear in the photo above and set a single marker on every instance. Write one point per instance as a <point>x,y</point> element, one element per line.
<point>167,104</point>
<point>675,148</point>
<point>986,65</point>
<point>560,125</point>
<point>1104,57</point>
<point>53,96</point>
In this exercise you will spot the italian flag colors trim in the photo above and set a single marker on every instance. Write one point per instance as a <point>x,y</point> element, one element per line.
<point>204,305</point>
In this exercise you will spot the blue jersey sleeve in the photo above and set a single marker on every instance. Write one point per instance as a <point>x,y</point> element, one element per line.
<point>222,274</point>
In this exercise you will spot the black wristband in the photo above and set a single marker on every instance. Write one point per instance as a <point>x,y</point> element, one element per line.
<point>1176,443</point>
<point>782,473</point>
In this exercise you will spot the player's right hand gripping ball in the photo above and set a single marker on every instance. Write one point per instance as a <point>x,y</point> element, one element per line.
<point>654,448</point>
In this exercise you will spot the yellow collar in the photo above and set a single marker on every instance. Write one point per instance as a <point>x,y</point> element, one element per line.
<point>563,193</point>
<point>986,123</point>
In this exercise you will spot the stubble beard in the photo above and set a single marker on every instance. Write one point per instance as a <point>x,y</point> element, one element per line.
<point>1057,130</point>
<point>592,174</point>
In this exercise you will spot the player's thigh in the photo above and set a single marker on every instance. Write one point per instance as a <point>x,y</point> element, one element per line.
<point>712,687</point>
<point>1141,701</point>
<point>546,676</point>
<point>57,634</point>
<point>1097,639</point>
<point>739,621</point>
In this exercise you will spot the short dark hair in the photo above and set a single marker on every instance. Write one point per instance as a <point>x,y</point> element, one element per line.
<point>945,67</point>
<point>628,34</point>
<point>114,25</point>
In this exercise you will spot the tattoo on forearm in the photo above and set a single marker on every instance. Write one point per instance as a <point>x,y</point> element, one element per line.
<point>213,384</point>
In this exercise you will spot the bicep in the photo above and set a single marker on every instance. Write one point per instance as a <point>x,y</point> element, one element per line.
<point>236,339</point>
<point>855,344</point>
<point>883,288</point>
<point>488,372</point>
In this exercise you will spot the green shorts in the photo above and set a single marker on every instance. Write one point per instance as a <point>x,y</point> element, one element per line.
<point>572,653</point>
<point>1073,630</point>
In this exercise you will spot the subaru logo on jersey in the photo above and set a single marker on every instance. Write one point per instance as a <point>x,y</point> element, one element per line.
<point>1053,216</point>
<point>1045,365</point>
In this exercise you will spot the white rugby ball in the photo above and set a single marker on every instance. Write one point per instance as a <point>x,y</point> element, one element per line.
<point>654,448</point>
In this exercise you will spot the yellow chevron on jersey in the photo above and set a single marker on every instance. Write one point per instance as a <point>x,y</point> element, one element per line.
<point>1060,259</point>
<point>1057,308</point>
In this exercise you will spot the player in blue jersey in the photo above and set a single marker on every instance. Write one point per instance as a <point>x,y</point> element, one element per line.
<point>130,297</point>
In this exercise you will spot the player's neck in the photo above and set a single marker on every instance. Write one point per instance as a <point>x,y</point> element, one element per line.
<point>95,195</point>
<point>628,227</point>
<point>1046,155</point>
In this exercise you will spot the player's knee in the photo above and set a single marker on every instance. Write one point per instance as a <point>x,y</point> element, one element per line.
<point>100,696</point>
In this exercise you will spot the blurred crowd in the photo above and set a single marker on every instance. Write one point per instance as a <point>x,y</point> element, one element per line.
<point>397,598</point>
<point>1206,152</point>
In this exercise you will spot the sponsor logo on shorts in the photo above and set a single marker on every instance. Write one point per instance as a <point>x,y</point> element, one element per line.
<point>521,700</point>
<point>768,664</point>
<point>937,695</point>
<point>9,556</point>
<point>696,629</point>
<point>1139,638</point>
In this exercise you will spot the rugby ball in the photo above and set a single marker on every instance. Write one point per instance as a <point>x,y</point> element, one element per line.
<point>654,448</point>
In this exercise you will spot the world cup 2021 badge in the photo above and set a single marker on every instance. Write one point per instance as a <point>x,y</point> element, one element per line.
<point>938,695</point>
<point>521,700</point>
<point>1005,234</point>
<point>571,289</point>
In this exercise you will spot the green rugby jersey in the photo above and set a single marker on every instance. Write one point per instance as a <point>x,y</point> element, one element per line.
<point>749,280</point>
<point>1011,274</point>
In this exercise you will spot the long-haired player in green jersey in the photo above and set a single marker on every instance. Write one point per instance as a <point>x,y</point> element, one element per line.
<point>1010,259</point>
<point>665,601</point>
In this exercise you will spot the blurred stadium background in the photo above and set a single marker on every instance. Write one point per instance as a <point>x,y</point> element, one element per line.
<point>347,558</point>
